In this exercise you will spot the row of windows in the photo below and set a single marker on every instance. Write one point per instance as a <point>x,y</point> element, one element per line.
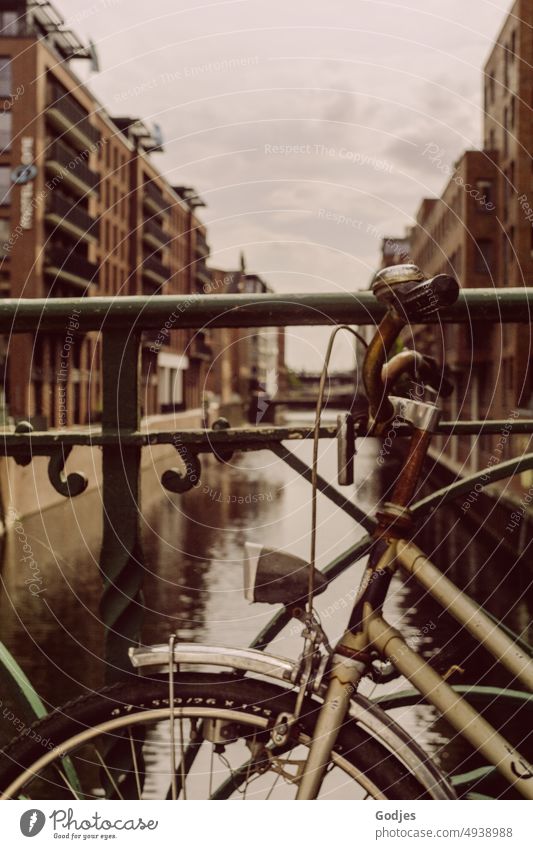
<point>114,280</point>
<point>509,56</point>
<point>113,239</point>
<point>114,199</point>
<point>482,191</point>
<point>115,159</point>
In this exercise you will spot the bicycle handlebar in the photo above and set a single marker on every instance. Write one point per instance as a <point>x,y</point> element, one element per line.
<point>404,289</point>
<point>410,297</point>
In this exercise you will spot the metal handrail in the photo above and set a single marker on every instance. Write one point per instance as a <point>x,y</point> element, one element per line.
<point>474,305</point>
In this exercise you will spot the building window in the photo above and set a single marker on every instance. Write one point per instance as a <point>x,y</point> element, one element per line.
<point>4,237</point>
<point>506,130</point>
<point>6,77</point>
<point>506,67</point>
<point>513,45</point>
<point>10,23</point>
<point>491,87</point>
<point>6,122</point>
<point>484,256</point>
<point>485,191</point>
<point>512,114</point>
<point>5,184</point>
<point>5,284</point>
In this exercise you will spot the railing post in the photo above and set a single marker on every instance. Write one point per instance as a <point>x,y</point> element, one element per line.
<point>121,558</point>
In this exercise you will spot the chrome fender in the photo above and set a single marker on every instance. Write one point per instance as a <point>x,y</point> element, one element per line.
<point>155,660</point>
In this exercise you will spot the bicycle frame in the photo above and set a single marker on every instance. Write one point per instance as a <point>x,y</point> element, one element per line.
<point>351,662</point>
<point>367,629</point>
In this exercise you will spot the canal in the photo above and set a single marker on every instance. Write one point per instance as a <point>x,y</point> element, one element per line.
<point>193,547</point>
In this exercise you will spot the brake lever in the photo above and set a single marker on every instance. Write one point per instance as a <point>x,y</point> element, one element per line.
<point>431,374</point>
<point>419,367</point>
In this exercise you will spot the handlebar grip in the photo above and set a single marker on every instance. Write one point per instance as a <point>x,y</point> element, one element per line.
<point>413,298</point>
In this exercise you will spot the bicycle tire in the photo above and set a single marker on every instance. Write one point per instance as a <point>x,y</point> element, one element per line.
<point>254,700</point>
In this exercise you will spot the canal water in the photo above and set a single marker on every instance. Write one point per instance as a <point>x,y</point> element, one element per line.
<point>193,547</point>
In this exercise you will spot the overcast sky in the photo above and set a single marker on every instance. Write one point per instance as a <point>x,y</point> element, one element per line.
<point>302,125</point>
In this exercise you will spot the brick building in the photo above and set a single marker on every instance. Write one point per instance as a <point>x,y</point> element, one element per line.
<point>457,234</point>
<point>245,361</point>
<point>481,230</point>
<point>83,212</point>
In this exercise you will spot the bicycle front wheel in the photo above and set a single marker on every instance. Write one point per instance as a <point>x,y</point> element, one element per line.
<point>121,743</point>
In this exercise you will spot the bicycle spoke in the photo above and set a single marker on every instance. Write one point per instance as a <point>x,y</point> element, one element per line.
<point>277,778</point>
<point>182,760</point>
<point>107,772</point>
<point>211,759</point>
<point>67,783</point>
<point>135,764</point>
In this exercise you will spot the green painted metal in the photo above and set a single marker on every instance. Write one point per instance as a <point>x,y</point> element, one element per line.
<point>473,776</point>
<point>23,446</point>
<point>18,685</point>
<point>465,486</point>
<point>361,307</point>
<point>22,682</point>
<point>477,694</point>
<point>333,494</point>
<point>490,426</point>
<point>121,557</point>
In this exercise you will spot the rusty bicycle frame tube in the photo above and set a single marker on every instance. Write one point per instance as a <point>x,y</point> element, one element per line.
<point>384,338</point>
<point>408,479</point>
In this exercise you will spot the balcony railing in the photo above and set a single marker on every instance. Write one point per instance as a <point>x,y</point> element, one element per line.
<point>121,323</point>
<point>70,118</point>
<point>199,348</point>
<point>71,267</point>
<point>155,270</point>
<point>71,169</point>
<point>72,218</point>
<point>154,234</point>
<point>153,198</point>
<point>201,248</point>
<point>203,279</point>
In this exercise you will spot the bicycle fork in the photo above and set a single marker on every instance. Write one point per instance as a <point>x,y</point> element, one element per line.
<point>345,677</point>
<point>350,662</point>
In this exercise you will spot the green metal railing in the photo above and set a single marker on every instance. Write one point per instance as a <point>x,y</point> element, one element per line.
<point>121,322</point>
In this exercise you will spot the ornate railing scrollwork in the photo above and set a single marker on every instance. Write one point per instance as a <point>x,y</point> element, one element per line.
<point>223,455</point>
<point>69,485</point>
<point>175,480</point>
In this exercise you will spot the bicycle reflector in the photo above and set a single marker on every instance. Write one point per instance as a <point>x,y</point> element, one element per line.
<point>411,295</point>
<point>275,577</point>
